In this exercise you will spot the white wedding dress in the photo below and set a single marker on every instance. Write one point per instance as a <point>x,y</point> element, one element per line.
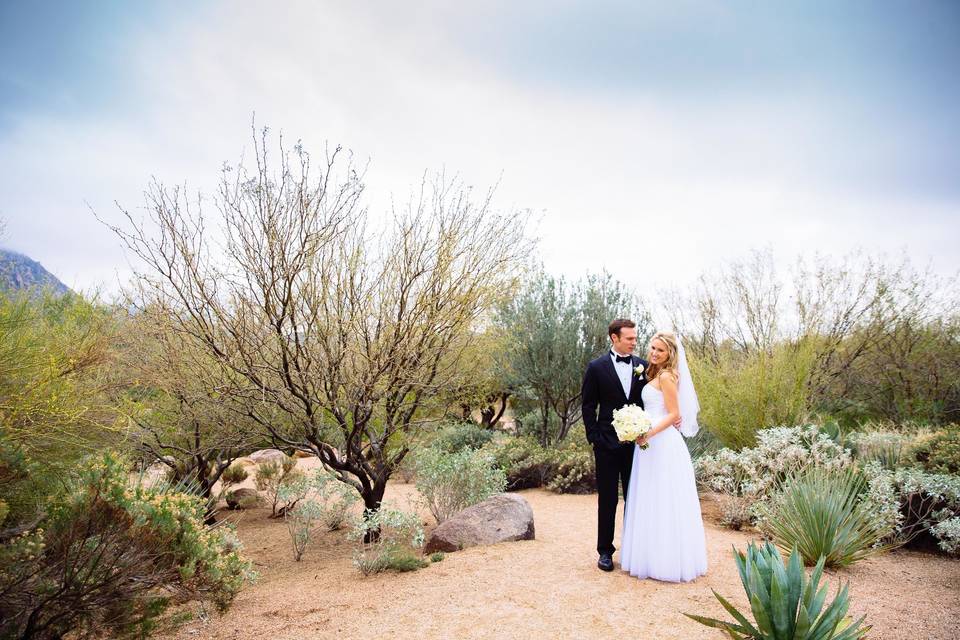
<point>662,528</point>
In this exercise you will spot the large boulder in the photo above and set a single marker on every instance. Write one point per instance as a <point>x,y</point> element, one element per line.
<point>268,455</point>
<point>501,518</point>
<point>157,473</point>
<point>243,462</point>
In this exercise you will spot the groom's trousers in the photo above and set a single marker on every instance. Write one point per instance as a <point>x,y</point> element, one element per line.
<point>613,469</point>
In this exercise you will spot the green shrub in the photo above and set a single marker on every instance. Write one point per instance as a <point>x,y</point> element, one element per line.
<point>736,512</point>
<point>234,474</point>
<point>885,447</point>
<point>526,464</point>
<point>925,501</point>
<point>107,555</point>
<point>403,562</point>
<point>283,483</point>
<point>574,471</point>
<point>307,500</point>
<point>573,468</point>
<point>821,512</point>
<point>300,520</point>
<point>462,435</point>
<point>785,604</point>
<point>388,539</point>
<point>334,497</point>
<point>752,474</point>
<point>939,452</point>
<point>437,556</point>
<point>451,482</point>
<point>567,468</point>
<point>742,391</point>
<point>947,533</point>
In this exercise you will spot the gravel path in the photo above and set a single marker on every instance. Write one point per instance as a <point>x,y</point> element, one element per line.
<point>546,588</point>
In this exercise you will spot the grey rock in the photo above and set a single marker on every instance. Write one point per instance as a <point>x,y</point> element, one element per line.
<point>268,455</point>
<point>500,518</point>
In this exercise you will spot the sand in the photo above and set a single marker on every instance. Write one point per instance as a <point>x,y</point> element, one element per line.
<point>544,588</point>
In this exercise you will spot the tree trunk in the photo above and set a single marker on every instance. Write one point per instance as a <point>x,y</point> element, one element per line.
<point>372,501</point>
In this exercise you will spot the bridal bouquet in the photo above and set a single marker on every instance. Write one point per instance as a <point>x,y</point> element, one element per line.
<point>631,422</point>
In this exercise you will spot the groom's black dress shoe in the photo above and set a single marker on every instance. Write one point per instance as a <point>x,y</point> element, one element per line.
<point>605,563</point>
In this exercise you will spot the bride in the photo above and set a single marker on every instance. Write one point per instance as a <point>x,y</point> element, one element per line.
<point>662,528</point>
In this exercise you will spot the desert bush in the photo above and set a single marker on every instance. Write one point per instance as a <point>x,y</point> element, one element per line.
<point>525,463</point>
<point>300,520</point>
<point>108,557</point>
<point>551,320</point>
<point>234,474</point>
<point>451,482</point>
<point>572,465</point>
<point>334,497</point>
<point>283,483</point>
<point>939,452</point>
<point>461,435</point>
<point>736,512</point>
<point>319,497</point>
<point>785,604</point>
<point>567,468</point>
<point>742,390</point>
<point>752,474</point>
<point>888,448</point>
<point>575,471</point>
<point>926,501</point>
<point>242,499</point>
<point>822,513</point>
<point>947,533</point>
<point>55,354</point>
<point>388,539</point>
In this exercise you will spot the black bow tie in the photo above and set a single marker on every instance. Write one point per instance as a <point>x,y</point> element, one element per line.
<point>627,359</point>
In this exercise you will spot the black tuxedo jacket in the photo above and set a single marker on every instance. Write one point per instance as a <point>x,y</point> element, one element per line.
<point>602,394</point>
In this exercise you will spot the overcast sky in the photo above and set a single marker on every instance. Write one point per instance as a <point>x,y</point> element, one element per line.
<point>674,134</point>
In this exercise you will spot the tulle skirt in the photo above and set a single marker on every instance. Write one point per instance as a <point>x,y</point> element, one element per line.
<point>662,527</point>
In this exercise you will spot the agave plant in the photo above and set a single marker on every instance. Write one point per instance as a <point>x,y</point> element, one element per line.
<point>785,604</point>
<point>822,513</point>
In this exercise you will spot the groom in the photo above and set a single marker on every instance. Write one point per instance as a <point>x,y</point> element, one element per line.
<point>612,381</point>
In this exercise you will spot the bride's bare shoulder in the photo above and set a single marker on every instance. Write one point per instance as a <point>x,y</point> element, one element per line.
<point>670,377</point>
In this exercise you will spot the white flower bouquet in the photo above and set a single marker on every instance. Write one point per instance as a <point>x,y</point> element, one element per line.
<point>631,422</point>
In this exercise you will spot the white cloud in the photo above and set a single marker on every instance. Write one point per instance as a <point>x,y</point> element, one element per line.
<point>689,186</point>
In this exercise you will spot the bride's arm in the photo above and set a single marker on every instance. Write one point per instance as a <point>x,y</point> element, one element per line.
<point>668,385</point>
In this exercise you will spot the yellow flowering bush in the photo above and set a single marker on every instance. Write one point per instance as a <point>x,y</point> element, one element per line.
<point>109,557</point>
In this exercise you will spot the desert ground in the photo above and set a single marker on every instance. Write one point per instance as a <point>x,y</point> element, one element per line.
<point>544,588</point>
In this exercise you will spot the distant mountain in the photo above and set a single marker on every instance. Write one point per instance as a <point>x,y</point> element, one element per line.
<point>17,271</point>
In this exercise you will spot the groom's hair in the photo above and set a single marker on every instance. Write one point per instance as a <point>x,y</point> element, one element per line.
<point>618,324</point>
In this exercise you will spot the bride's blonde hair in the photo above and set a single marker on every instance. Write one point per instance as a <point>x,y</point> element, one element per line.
<point>671,364</point>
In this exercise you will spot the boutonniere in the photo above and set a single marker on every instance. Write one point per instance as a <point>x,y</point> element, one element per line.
<point>639,371</point>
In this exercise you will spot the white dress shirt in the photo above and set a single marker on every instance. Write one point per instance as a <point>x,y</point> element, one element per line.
<point>624,372</point>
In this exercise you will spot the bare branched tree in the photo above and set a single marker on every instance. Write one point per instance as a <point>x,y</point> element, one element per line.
<point>182,402</point>
<point>860,336</point>
<point>342,330</point>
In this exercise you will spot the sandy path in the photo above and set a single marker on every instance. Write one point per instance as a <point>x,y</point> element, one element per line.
<point>546,588</point>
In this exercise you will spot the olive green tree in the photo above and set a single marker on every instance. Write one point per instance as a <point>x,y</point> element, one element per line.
<point>554,329</point>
